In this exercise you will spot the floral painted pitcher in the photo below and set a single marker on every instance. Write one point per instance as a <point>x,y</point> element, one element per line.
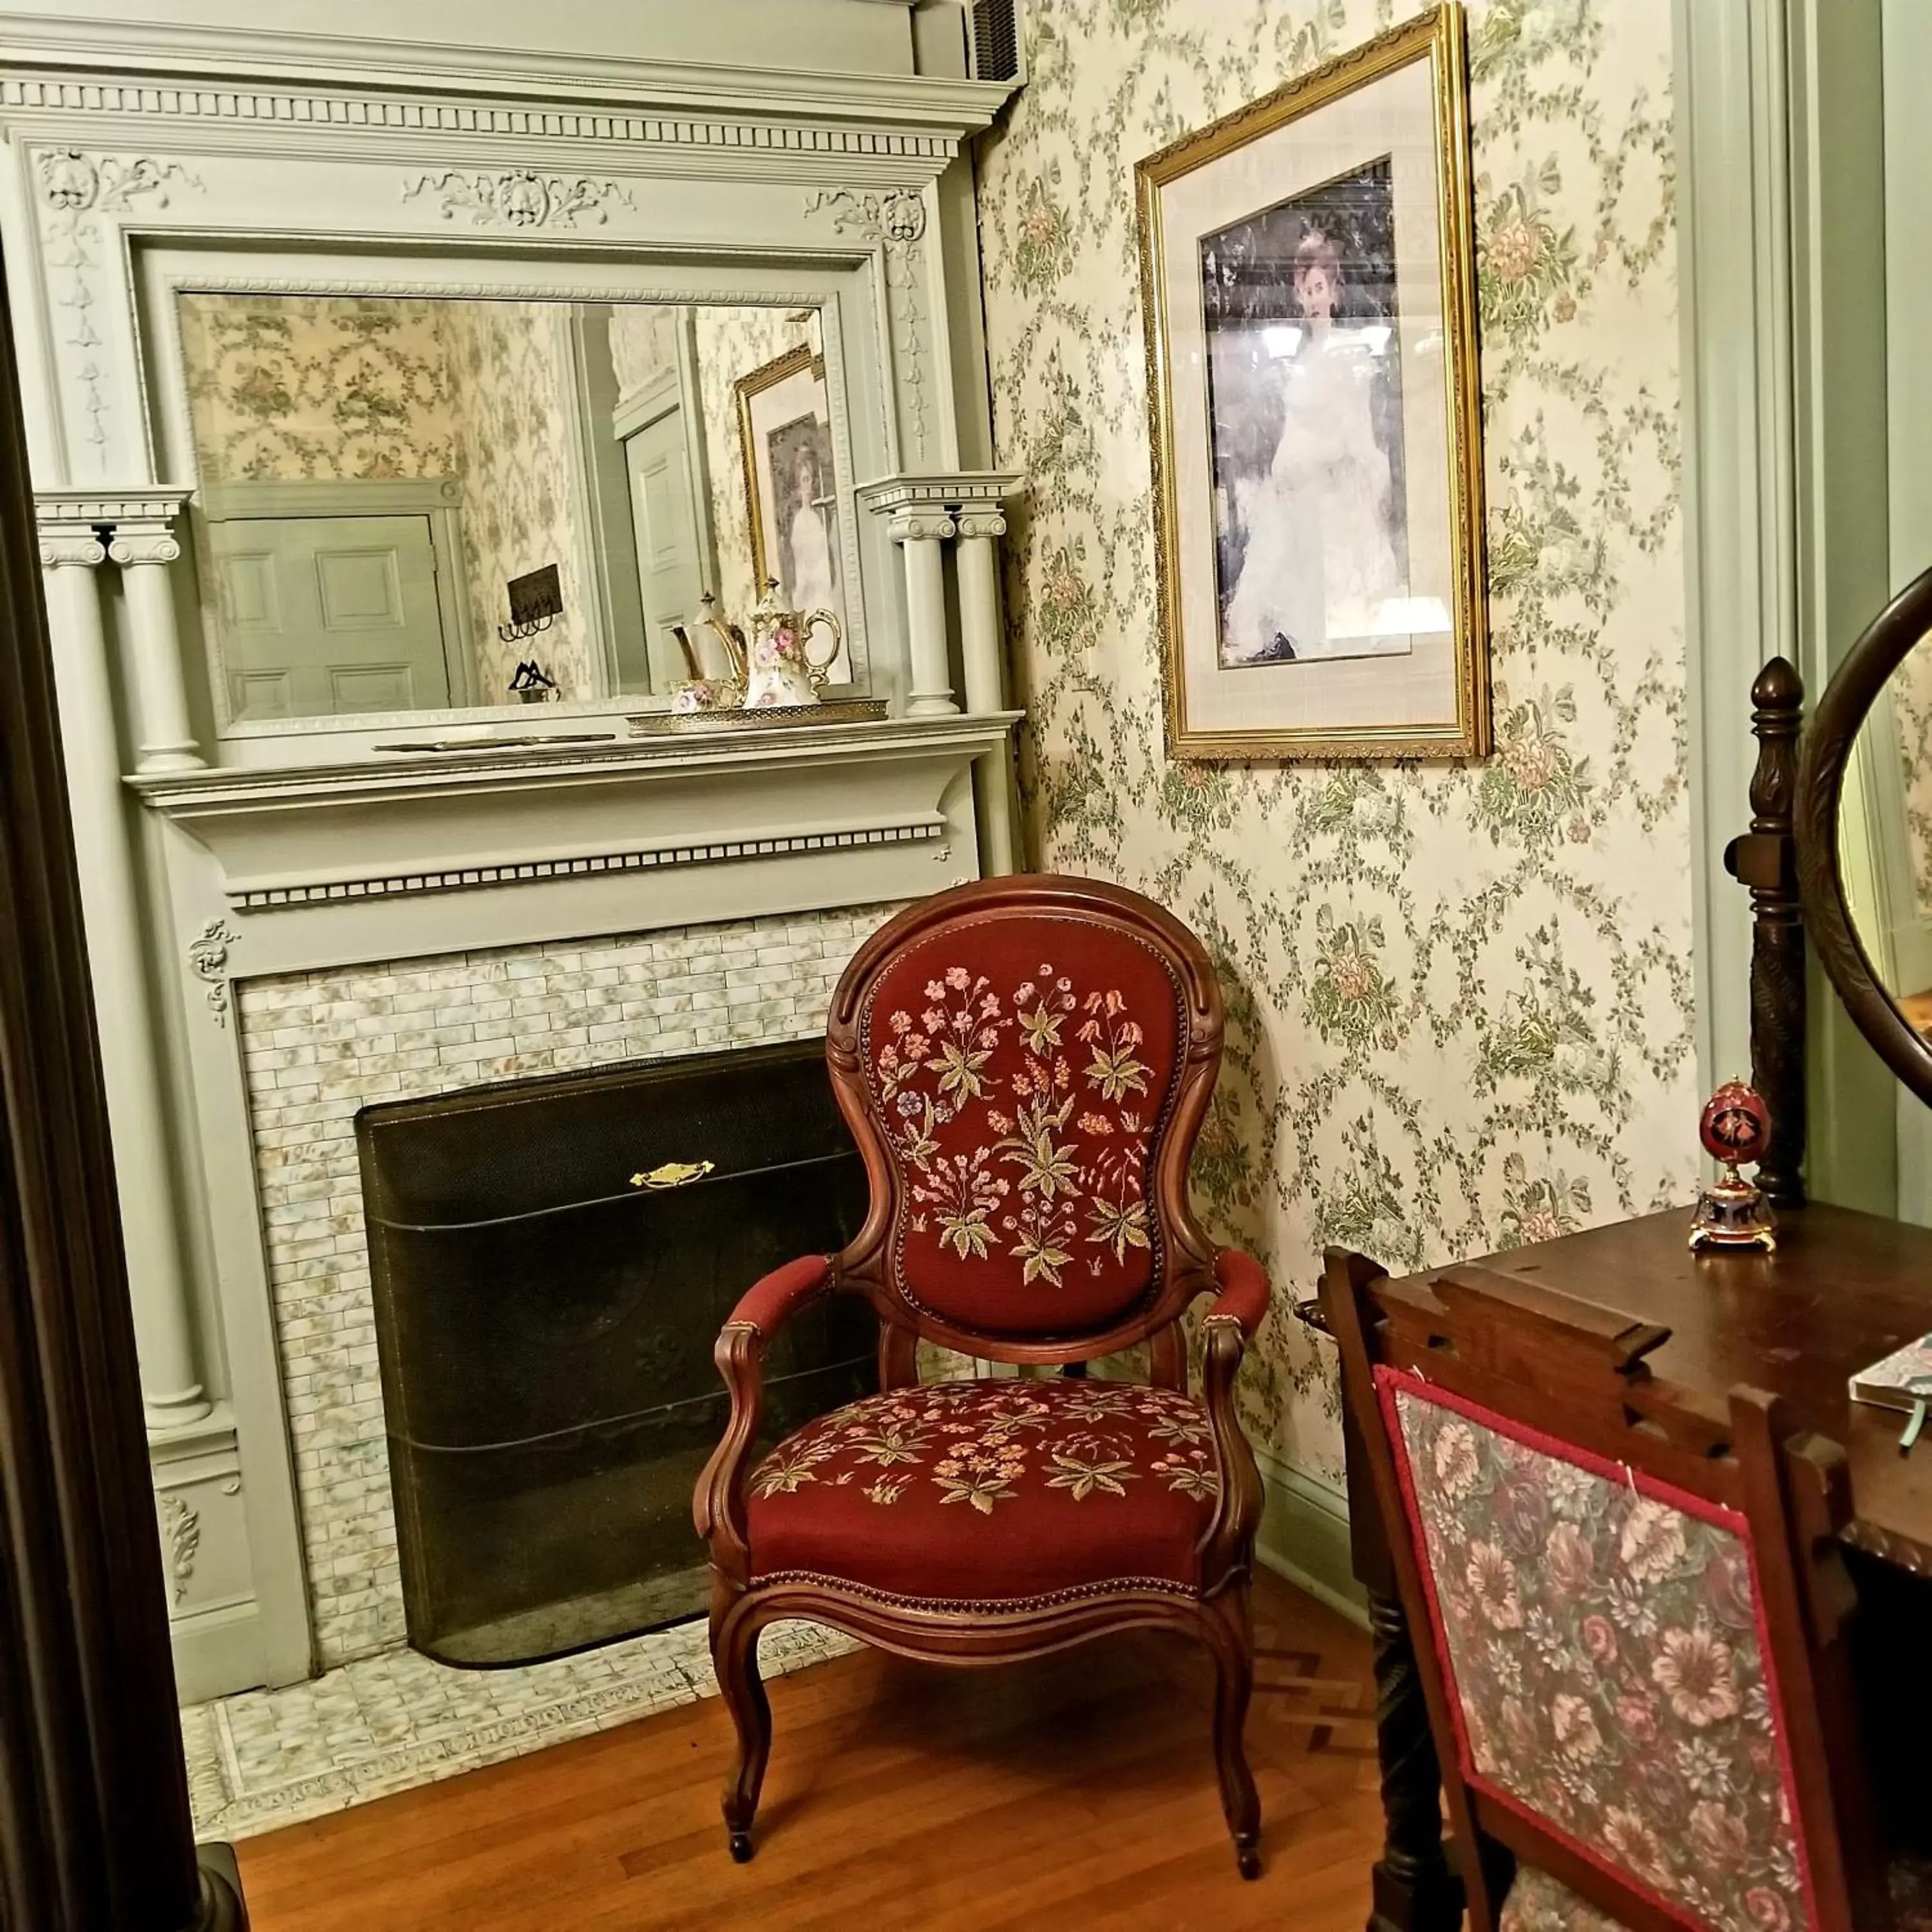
<point>782,670</point>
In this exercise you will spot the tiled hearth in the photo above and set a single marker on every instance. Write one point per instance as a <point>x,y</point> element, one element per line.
<point>318,1047</point>
<point>384,1724</point>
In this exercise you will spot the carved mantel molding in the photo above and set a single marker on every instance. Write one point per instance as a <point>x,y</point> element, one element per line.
<point>725,828</point>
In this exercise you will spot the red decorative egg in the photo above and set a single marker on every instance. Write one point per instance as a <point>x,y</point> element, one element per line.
<point>1735,1124</point>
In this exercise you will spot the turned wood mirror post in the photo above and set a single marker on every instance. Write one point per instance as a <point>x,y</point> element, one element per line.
<point>95,1828</point>
<point>1843,948</point>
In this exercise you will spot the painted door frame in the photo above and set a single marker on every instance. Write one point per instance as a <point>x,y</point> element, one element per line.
<point>1780,120</point>
<point>438,498</point>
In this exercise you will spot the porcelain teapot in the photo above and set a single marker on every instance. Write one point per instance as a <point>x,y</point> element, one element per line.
<point>699,692</point>
<point>781,668</point>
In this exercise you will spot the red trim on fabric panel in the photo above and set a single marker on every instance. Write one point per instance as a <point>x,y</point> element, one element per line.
<point>1388,1382</point>
<point>1703,1507</point>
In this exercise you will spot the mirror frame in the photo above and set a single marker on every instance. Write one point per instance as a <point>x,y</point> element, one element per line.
<point>1824,756</point>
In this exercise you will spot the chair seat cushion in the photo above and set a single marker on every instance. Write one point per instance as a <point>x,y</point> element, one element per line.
<point>997,1490</point>
<point>1538,1903</point>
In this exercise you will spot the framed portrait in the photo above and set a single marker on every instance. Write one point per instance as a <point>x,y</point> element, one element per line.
<point>785,434</point>
<point>1307,279</point>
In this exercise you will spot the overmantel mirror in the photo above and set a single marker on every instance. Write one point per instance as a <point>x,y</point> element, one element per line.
<point>431,491</point>
<point>1863,830</point>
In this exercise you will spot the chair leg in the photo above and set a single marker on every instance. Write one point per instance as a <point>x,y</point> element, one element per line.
<point>1231,1640</point>
<point>734,1656</point>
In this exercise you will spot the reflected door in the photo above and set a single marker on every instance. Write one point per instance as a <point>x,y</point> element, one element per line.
<point>325,616</point>
<point>670,565</point>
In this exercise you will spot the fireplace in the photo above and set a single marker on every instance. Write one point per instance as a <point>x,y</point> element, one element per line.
<point>551,1260</point>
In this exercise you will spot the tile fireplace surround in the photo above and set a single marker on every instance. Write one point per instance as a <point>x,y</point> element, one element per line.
<point>411,927</point>
<point>319,1046</point>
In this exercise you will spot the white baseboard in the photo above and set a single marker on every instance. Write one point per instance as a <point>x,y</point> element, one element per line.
<point>1304,1537</point>
<point>217,1652</point>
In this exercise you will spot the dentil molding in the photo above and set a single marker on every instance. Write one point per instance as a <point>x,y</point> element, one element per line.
<point>947,492</point>
<point>231,74</point>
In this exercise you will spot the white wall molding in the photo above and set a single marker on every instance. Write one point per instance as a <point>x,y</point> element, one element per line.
<point>1304,1536</point>
<point>1739,506</point>
<point>187,65</point>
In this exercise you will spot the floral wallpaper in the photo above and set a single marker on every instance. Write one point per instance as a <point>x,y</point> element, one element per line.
<point>510,364</point>
<point>643,343</point>
<point>286,388</point>
<point>1911,704</point>
<point>1460,1000</point>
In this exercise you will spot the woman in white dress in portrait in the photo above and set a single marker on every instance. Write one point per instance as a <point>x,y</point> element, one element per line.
<point>1319,561</point>
<point>810,582</point>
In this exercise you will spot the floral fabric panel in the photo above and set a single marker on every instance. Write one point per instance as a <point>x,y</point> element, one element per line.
<point>1538,1903</point>
<point>1606,1658</point>
<point>1080,1481</point>
<point>1021,1081</point>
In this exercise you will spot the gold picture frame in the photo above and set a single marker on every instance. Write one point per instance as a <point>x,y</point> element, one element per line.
<point>1317,484</point>
<point>785,420</point>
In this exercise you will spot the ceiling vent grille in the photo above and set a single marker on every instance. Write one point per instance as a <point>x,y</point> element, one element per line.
<point>993,49</point>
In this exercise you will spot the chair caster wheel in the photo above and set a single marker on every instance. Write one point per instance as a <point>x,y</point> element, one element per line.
<point>741,1847</point>
<point>1249,1858</point>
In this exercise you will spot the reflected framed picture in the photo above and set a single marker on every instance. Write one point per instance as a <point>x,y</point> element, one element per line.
<point>784,435</point>
<point>1308,289</point>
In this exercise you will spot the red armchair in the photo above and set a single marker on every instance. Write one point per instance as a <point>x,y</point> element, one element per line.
<point>1025,1064</point>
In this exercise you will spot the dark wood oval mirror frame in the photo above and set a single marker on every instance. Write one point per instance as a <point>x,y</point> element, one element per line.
<point>1826,752</point>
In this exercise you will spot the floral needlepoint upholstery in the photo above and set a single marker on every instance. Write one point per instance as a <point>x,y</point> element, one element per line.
<point>1538,1903</point>
<point>1021,1094</point>
<point>1602,1640</point>
<point>1003,1488</point>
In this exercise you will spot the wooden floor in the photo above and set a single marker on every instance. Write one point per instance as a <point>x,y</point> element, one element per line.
<point>1076,1792</point>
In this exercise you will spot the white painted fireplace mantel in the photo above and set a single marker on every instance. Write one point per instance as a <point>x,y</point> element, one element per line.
<point>430,870</point>
<point>255,895</point>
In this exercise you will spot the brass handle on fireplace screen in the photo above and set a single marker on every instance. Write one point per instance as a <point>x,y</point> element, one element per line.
<point>673,1173</point>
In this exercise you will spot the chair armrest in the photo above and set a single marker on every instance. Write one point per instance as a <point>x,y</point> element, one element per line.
<point>1236,1312</point>
<point>1245,1290</point>
<point>773,1300</point>
<point>717,1504</point>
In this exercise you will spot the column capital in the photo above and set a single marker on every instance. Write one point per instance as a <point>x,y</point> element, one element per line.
<point>71,546</point>
<point>920,526</point>
<point>142,543</point>
<point>987,521</point>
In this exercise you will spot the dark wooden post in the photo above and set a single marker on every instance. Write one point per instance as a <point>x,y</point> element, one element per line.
<point>1765,860</point>
<point>1415,1887</point>
<point>95,1829</point>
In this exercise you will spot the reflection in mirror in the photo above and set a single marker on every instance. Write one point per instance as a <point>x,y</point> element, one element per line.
<point>1885,837</point>
<point>374,472</point>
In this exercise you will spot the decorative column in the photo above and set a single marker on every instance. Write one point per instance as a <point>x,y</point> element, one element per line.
<point>919,533</point>
<point>145,546</point>
<point>980,525</point>
<point>924,513</point>
<point>71,553</point>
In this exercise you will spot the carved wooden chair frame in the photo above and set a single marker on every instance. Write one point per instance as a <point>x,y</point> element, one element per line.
<point>1192,1266</point>
<point>1576,1372</point>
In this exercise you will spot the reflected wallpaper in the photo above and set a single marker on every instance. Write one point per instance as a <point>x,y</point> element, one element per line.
<point>286,388</point>
<point>1459,1000</point>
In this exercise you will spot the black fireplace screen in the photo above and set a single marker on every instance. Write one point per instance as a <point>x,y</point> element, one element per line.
<point>545,1328</point>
